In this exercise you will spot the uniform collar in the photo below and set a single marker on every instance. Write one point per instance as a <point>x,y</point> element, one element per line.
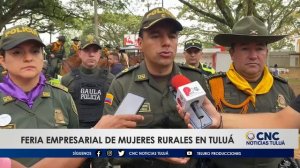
<point>87,70</point>
<point>143,74</point>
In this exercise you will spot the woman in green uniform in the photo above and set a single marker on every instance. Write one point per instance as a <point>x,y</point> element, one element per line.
<point>26,99</point>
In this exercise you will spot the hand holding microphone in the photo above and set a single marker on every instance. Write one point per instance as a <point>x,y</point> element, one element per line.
<point>190,96</point>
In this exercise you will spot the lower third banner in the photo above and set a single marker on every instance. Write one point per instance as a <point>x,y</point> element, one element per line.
<point>147,153</point>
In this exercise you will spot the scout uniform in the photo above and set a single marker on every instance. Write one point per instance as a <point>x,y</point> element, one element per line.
<point>74,46</point>
<point>45,106</point>
<point>159,108</point>
<point>57,48</point>
<point>232,93</point>
<point>194,43</point>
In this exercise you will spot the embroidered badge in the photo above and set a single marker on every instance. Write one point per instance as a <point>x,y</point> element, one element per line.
<point>46,94</point>
<point>59,117</point>
<point>109,99</point>
<point>141,76</point>
<point>253,32</point>
<point>281,101</point>
<point>7,99</point>
<point>145,108</point>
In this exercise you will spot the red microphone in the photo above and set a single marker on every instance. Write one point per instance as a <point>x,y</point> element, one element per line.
<point>179,80</point>
<point>190,96</point>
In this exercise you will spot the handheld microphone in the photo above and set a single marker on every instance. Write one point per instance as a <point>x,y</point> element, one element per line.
<point>190,96</point>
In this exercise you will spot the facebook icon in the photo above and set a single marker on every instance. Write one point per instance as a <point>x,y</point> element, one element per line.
<point>98,153</point>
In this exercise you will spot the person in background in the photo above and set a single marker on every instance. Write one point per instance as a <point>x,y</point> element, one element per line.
<point>27,100</point>
<point>115,66</point>
<point>74,47</point>
<point>88,85</point>
<point>55,53</point>
<point>276,71</point>
<point>193,55</point>
<point>158,40</point>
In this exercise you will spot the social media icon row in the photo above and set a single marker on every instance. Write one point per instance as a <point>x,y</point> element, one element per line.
<point>109,153</point>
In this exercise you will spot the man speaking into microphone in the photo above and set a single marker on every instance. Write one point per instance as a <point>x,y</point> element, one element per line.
<point>158,40</point>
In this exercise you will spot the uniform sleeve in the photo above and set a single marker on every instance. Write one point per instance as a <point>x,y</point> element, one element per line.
<point>65,80</point>
<point>113,98</point>
<point>296,104</point>
<point>73,115</point>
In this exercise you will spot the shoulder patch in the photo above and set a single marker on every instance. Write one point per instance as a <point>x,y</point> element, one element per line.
<point>127,70</point>
<point>189,67</point>
<point>281,79</point>
<point>216,75</point>
<point>59,86</point>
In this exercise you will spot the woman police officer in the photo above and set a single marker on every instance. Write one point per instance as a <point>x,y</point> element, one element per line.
<point>26,99</point>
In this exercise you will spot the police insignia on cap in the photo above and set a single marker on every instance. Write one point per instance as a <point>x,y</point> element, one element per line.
<point>59,116</point>
<point>281,101</point>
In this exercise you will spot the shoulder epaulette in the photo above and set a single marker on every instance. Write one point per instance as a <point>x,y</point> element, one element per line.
<point>189,67</point>
<point>59,86</point>
<point>127,70</point>
<point>216,75</point>
<point>281,79</point>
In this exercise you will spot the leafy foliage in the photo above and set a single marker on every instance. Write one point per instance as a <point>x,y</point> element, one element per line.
<point>280,17</point>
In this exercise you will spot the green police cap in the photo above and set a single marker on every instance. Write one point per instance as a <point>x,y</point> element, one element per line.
<point>192,43</point>
<point>17,35</point>
<point>89,40</point>
<point>248,29</point>
<point>157,15</point>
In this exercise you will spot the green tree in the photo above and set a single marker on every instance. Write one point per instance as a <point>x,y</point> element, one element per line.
<point>38,13</point>
<point>219,16</point>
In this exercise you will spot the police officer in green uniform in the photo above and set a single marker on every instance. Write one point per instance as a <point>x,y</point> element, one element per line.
<point>158,38</point>
<point>55,53</point>
<point>88,85</point>
<point>26,99</point>
<point>193,54</point>
<point>248,86</point>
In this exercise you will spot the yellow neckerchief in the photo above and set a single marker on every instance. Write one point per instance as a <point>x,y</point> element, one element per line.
<point>75,47</point>
<point>56,47</point>
<point>263,87</point>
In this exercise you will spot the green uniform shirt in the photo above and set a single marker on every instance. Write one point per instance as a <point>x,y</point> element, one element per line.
<point>54,108</point>
<point>279,96</point>
<point>159,109</point>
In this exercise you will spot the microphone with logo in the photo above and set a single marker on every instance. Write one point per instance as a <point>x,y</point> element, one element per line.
<point>190,96</point>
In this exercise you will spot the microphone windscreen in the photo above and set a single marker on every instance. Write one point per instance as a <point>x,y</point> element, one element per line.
<point>179,80</point>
